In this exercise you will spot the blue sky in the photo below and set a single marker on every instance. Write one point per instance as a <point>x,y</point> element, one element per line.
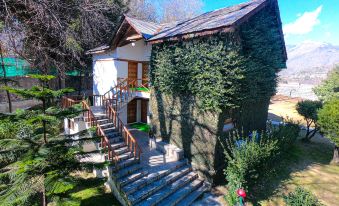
<point>303,20</point>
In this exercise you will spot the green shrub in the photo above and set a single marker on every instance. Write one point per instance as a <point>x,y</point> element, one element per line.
<point>301,197</point>
<point>286,135</point>
<point>252,158</point>
<point>246,163</point>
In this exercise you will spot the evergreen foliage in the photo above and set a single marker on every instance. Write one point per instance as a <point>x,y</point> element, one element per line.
<point>329,120</point>
<point>301,197</point>
<point>222,71</point>
<point>251,159</point>
<point>329,123</point>
<point>309,110</point>
<point>330,87</point>
<point>32,167</point>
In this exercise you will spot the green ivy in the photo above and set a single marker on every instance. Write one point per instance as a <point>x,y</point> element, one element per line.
<point>222,71</point>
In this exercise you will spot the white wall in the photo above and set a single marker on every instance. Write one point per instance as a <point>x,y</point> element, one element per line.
<point>107,69</point>
<point>139,52</point>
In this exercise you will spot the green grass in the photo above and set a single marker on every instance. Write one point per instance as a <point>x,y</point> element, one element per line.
<point>90,191</point>
<point>306,165</point>
<point>141,126</point>
<point>140,89</point>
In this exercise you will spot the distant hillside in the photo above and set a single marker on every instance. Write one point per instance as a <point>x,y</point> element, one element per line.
<point>307,66</point>
<point>310,58</point>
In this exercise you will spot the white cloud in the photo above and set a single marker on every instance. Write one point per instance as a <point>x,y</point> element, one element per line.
<point>304,24</point>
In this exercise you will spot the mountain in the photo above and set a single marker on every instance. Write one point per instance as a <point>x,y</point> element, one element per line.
<point>311,57</point>
<point>307,66</point>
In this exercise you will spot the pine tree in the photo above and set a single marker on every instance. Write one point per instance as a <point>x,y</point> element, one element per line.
<point>33,168</point>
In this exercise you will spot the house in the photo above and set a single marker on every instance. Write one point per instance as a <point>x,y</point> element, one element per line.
<point>169,76</point>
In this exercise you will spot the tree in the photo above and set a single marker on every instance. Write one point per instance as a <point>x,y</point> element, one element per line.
<point>177,10</point>
<point>165,11</point>
<point>144,10</point>
<point>4,78</point>
<point>45,95</point>
<point>329,122</point>
<point>32,168</point>
<point>330,87</point>
<point>308,109</point>
<point>56,33</point>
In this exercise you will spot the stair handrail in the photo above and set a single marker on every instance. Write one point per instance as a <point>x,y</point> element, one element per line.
<point>129,139</point>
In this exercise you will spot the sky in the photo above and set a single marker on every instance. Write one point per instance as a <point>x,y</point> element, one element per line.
<point>303,20</point>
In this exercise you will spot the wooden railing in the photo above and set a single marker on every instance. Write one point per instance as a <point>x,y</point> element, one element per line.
<point>112,101</point>
<point>122,129</point>
<point>70,101</point>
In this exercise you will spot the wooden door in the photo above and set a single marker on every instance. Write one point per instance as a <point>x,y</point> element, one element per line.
<point>132,111</point>
<point>145,67</point>
<point>133,72</point>
<point>144,106</point>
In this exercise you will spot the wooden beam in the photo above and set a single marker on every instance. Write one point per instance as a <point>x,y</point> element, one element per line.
<point>134,37</point>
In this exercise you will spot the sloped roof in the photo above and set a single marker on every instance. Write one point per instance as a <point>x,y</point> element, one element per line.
<point>144,28</point>
<point>225,19</point>
<point>221,18</point>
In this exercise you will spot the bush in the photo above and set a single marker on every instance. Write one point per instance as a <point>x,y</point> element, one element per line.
<point>250,159</point>
<point>309,109</point>
<point>301,197</point>
<point>247,163</point>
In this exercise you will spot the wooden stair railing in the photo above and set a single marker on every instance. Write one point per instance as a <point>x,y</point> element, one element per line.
<point>92,121</point>
<point>122,129</point>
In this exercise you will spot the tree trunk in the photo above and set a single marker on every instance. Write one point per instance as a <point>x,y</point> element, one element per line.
<point>80,83</point>
<point>44,122</point>
<point>5,79</point>
<point>335,159</point>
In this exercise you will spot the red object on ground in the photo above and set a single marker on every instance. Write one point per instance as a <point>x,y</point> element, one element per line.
<point>241,193</point>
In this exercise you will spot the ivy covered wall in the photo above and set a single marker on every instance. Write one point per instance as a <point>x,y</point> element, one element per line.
<point>198,84</point>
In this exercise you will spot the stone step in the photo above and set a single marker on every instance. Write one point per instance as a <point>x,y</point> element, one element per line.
<point>100,116</point>
<point>109,130</point>
<point>137,185</point>
<point>121,150</point>
<point>132,177</point>
<point>155,186</point>
<point>169,189</point>
<point>182,193</point>
<point>125,156</point>
<point>127,171</point>
<point>103,121</point>
<point>112,134</point>
<point>188,200</point>
<point>118,145</point>
<point>123,164</point>
<point>113,140</point>
<point>107,126</point>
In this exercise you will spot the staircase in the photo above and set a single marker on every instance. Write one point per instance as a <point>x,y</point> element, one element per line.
<point>133,179</point>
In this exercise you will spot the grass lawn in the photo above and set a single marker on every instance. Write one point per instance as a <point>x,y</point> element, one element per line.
<point>141,126</point>
<point>306,165</point>
<point>89,192</point>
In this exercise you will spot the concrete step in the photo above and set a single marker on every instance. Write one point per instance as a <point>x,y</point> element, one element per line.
<point>125,156</point>
<point>127,171</point>
<point>169,189</point>
<point>123,164</point>
<point>155,186</point>
<point>121,150</point>
<point>182,193</point>
<point>132,177</point>
<point>188,200</point>
<point>137,185</point>
<point>113,140</point>
<point>104,121</point>
<point>109,130</point>
<point>112,134</point>
<point>107,126</point>
<point>118,145</point>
